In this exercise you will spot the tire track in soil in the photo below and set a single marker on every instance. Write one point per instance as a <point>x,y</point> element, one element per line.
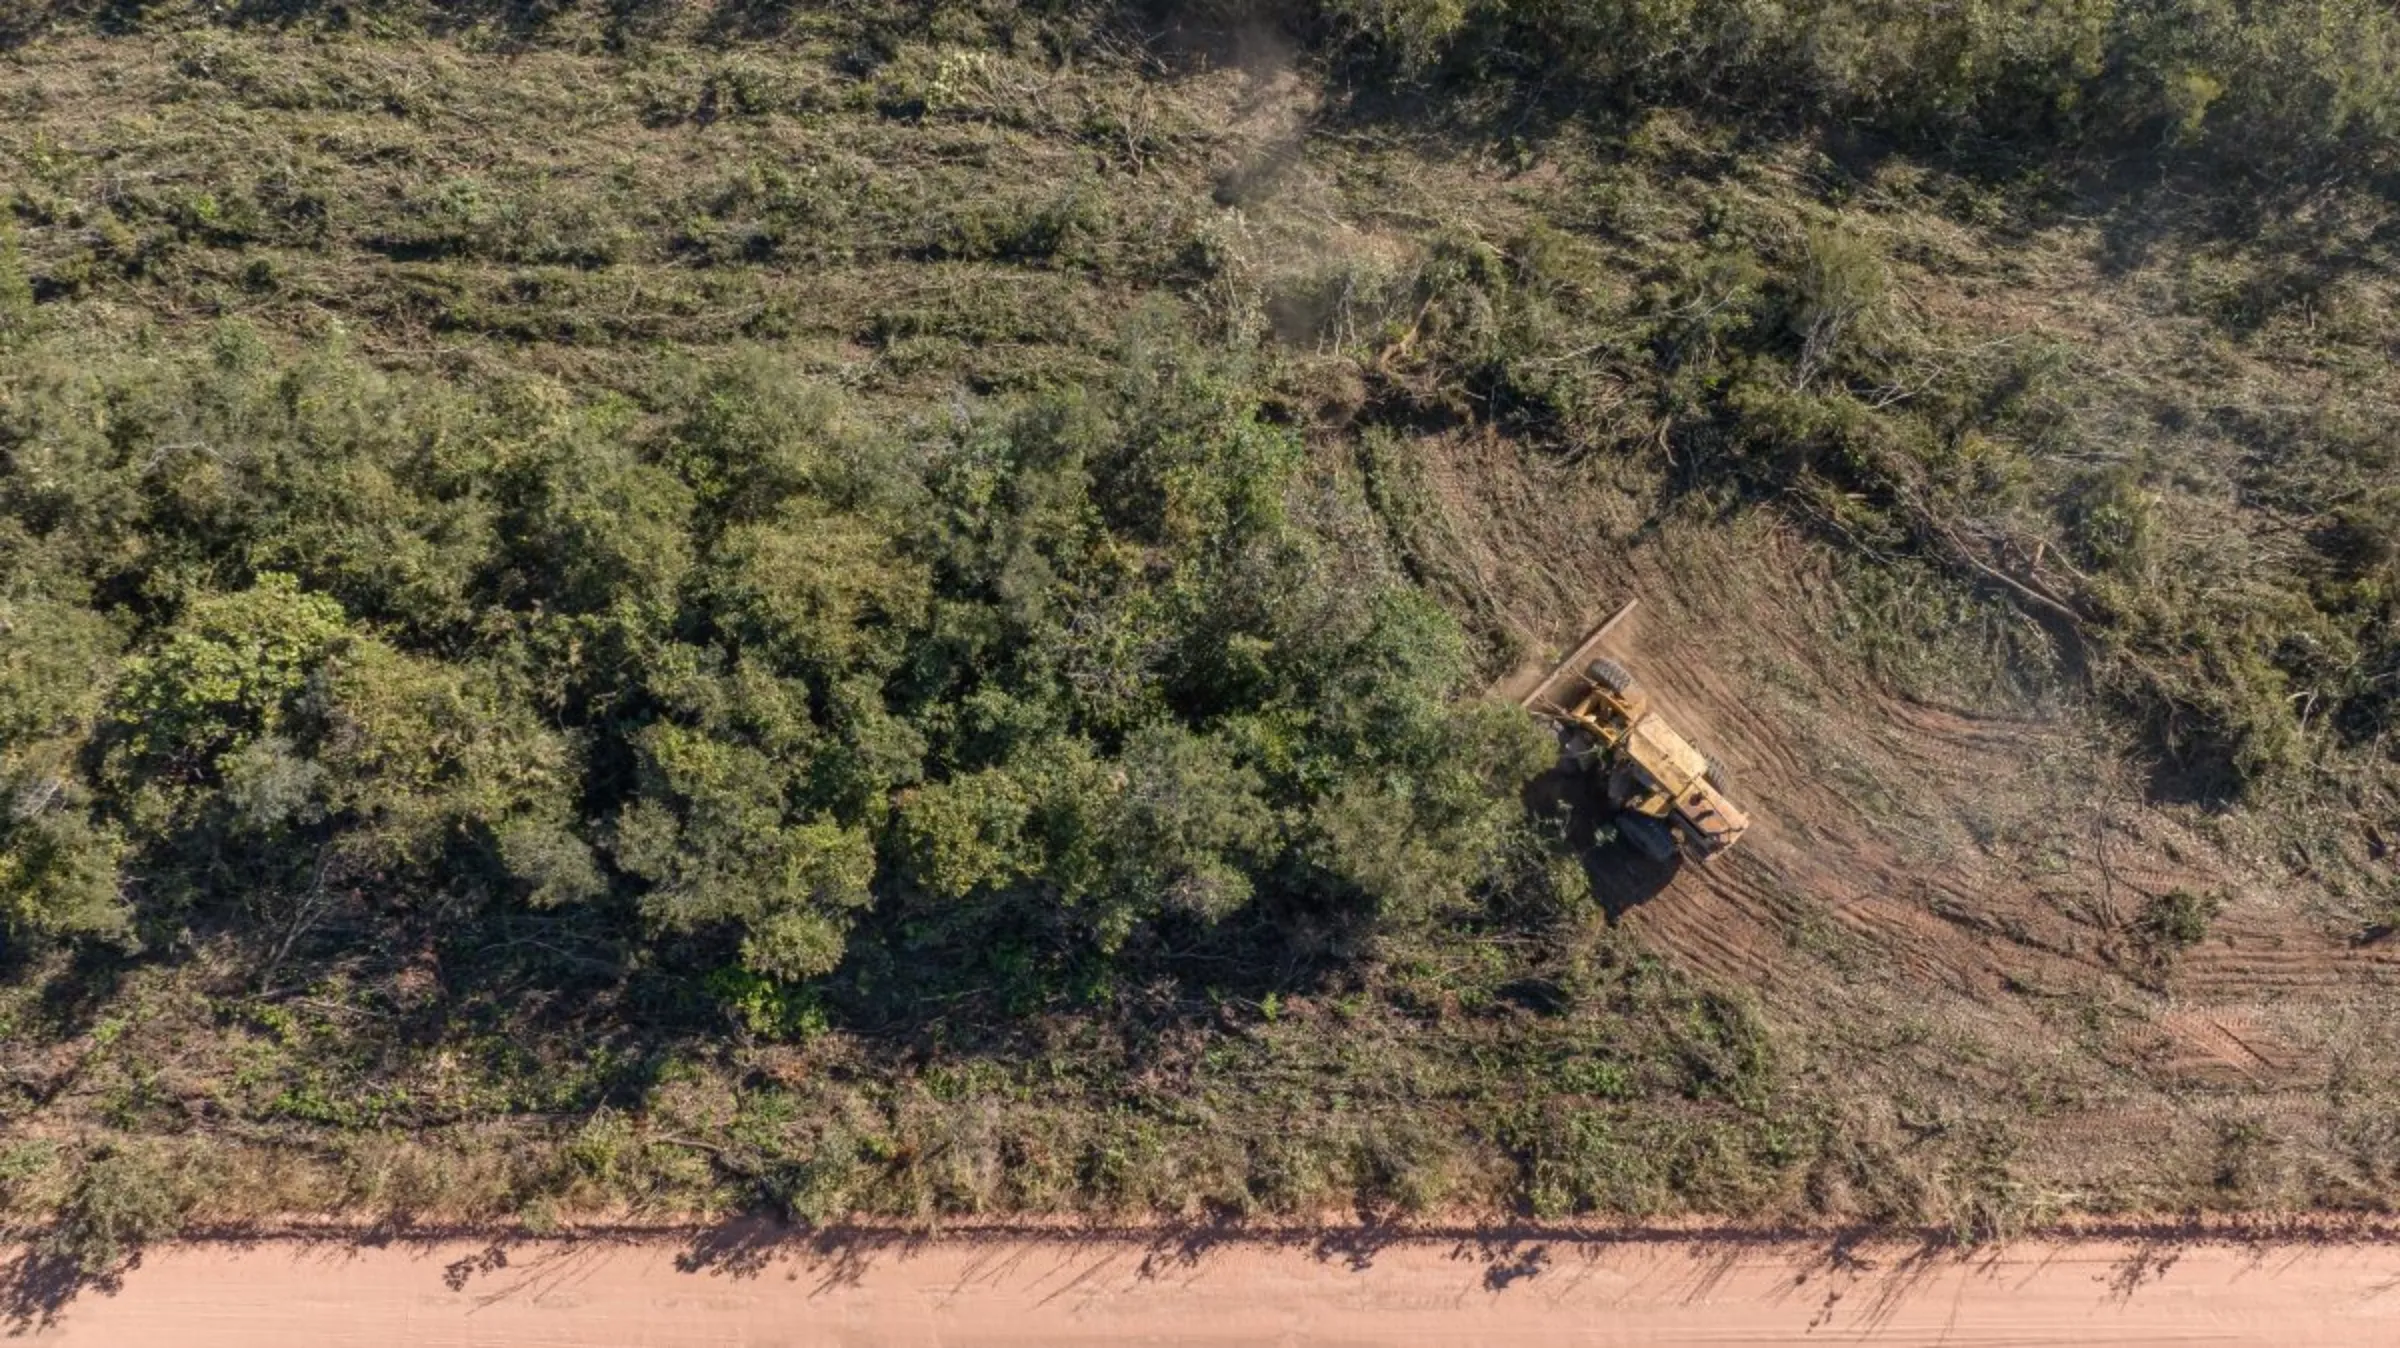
<point>1812,845</point>
<point>1940,902</point>
<point>1926,834</point>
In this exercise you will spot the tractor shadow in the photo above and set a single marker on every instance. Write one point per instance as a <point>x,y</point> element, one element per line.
<point>1620,876</point>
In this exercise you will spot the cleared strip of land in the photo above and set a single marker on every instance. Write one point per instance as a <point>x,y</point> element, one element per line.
<point>889,1290</point>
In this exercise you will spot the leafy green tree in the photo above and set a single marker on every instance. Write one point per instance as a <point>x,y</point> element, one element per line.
<point>226,672</point>
<point>593,528</point>
<point>1193,827</point>
<point>59,869</point>
<point>1174,826</point>
<point>747,433</point>
<point>1418,844</point>
<point>711,833</point>
<point>56,661</point>
<point>420,764</point>
<point>817,591</point>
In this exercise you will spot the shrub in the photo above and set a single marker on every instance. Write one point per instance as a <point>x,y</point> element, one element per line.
<point>226,672</point>
<point>2264,90</point>
<point>711,832</point>
<point>1840,281</point>
<point>122,1200</point>
<point>2109,521</point>
<point>2176,920</point>
<point>59,868</point>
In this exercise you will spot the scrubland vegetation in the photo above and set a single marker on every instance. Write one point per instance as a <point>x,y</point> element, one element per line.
<point>666,608</point>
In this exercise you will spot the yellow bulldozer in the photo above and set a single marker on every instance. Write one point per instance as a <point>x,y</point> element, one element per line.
<point>1668,797</point>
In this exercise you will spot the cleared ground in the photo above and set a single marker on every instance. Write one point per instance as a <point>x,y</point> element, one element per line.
<point>1460,1290</point>
<point>2083,503</point>
<point>1945,898</point>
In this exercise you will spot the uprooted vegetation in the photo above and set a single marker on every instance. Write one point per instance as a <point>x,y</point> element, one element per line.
<point>685,607</point>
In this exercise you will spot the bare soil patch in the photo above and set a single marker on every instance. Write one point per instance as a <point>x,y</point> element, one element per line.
<point>1019,1289</point>
<point>1950,903</point>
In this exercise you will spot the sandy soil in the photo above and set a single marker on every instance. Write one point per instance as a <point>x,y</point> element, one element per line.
<point>1940,897</point>
<point>651,1293</point>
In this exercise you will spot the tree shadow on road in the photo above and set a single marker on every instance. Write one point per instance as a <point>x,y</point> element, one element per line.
<point>1873,1268</point>
<point>1853,1280</point>
<point>39,1284</point>
<point>1858,1278</point>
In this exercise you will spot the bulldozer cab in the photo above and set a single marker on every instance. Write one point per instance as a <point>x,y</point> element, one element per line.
<point>1671,780</point>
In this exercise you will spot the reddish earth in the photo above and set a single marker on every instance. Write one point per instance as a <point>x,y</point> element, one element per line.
<point>1021,1290</point>
<point>1941,897</point>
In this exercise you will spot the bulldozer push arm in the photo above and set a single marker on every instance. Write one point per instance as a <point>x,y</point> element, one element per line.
<point>1538,699</point>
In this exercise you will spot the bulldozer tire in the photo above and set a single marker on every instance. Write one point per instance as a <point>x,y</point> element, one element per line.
<point>1614,677</point>
<point>1646,835</point>
<point>1715,774</point>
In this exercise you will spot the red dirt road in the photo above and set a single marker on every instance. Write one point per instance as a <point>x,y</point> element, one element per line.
<point>1033,1290</point>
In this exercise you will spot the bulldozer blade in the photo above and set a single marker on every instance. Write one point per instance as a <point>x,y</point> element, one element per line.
<point>1576,657</point>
